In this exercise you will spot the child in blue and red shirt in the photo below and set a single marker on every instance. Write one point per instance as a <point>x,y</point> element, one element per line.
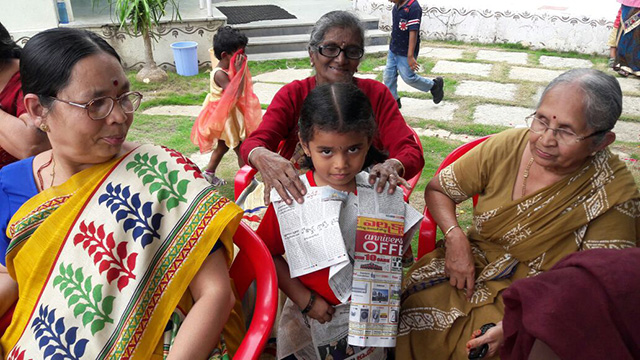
<point>403,51</point>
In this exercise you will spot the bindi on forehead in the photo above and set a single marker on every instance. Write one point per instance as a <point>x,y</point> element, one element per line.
<point>115,82</point>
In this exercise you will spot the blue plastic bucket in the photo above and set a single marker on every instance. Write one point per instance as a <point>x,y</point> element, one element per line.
<point>185,54</point>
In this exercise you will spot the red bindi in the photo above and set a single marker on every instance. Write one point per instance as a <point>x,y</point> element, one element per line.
<point>554,116</point>
<point>115,82</point>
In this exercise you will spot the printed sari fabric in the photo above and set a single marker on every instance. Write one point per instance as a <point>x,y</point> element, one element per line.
<point>598,206</point>
<point>628,52</point>
<point>104,260</point>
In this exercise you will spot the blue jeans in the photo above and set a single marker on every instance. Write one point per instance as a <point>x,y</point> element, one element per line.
<point>399,64</point>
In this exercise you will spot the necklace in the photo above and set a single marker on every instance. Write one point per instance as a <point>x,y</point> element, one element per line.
<point>53,172</point>
<point>525,175</point>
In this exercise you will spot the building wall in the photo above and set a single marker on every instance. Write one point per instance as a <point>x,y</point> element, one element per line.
<point>23,18</point>
<point>536,29</point>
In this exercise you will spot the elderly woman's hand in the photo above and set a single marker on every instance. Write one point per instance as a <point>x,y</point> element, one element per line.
<point>388,171</point>
<point>459,264</point>
<point>278,172</point>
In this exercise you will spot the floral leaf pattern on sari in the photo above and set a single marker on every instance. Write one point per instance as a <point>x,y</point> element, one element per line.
<point>137,217</point>
<point>161,181</point>
<point>54,339</point>
<point>107,256</point>
<point>189,166</point>
<point>17,354</point>
<point>84,298</point>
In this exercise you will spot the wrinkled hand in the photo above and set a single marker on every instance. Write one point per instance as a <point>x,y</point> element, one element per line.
<point>413,64</point>
<point>321,310</point>
<point>458,263</point>
<point>279,173</point>
<point>494,337</point>
<point>387,172</point>
<point>239,61</point>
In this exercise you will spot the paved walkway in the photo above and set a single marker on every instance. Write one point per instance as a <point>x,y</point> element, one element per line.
<point>490,87</point>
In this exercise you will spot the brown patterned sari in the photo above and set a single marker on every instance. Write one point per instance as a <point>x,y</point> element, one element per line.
<point>598,206</point>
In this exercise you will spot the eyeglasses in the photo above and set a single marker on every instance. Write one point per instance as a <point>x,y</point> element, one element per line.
<point>332,51</point>
<point>564,136</point>
<point>100,107</point>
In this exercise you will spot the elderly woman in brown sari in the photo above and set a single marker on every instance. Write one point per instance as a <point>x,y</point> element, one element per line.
<point>544,192</point>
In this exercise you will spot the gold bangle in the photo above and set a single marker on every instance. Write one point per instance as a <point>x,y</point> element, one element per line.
<point>449,230</point>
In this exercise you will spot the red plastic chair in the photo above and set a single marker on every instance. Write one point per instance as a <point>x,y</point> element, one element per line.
<point>428,228</point>
<point>253,262</point>
<point>245,175</point>
<point>6,320</point>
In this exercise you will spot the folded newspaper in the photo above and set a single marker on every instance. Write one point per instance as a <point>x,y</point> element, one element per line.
<point>364,261</point>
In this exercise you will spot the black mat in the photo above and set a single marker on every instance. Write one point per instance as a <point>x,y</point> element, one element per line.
<point>247,14</point>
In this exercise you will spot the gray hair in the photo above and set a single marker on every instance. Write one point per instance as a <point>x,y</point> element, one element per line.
<point>602,97</point>
<point>333,19</point>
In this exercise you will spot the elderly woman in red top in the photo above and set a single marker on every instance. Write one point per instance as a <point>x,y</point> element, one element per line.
<point>19,138</point>
<point>335,48</point>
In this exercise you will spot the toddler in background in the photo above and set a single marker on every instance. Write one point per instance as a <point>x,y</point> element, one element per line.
<point>231,110</point>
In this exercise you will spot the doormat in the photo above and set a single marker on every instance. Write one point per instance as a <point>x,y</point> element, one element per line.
<point>247,14</point>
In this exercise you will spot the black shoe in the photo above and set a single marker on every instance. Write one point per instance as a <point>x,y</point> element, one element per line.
<point>437,91</point>
<point>399,103</point>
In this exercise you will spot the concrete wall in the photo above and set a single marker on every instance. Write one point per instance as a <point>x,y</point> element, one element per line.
<point>538,29</point>
<point>131,47</point>
<point>23,18</point>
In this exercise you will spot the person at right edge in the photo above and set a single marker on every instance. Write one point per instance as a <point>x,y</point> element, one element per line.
<point>403,52</point>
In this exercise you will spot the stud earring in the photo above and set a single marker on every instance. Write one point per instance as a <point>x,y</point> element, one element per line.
<point>44,127</point>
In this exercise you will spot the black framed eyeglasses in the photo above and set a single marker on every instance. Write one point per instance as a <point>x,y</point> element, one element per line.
<point>332,51</point>
<point>100,107</point>
<point>565,136</point>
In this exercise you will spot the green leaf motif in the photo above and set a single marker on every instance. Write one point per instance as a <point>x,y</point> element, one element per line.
<point>173,177</point>
<point>155,187</point>
<point>171,203</point>
<point>154,160</point>
<point>83,297</point>
<point>182,186</point>
<point>163,167</point>
<point>147,179</point>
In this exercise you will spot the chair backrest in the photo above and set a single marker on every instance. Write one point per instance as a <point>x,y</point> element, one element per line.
<point>245,175</point>
<point>428,228</point>
<point>254,261</point>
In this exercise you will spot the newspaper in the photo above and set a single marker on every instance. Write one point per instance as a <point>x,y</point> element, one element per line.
<point>330,340</point>
<point>377,274</point>
<point>320,233</point>
<point>311,231</point>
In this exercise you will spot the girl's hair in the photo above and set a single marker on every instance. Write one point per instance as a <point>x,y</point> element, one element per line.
<point>342,108</point>
<point>49,57</point>
<point>9,50</point>
<point>228,40</point>
<point>335,19</point>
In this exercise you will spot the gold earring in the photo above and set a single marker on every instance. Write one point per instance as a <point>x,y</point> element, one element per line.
<point>44,127</point>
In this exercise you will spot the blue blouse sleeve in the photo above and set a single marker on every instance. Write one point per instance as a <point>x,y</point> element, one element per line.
<point>16,187</point>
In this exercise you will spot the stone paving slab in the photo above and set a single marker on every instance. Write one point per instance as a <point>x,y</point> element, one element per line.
<point>629,84</point>
<point>440,53</point>
<point>631,105</point>
<point>487,89</point>
<point>627,131</point>
<point>181,110</point>
<point>283,76</point>
<point>518,58</point>
<point>266,91</point>
<point>562,62</point>
<point>454,67</point>
<point>426,109</point>
<point>444,134</point>
<point>490,114</point>
<point>533,74</point>
<point>367,76</point>
<point>379,68</point>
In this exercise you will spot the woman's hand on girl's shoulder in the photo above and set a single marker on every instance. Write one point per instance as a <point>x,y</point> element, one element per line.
<point>388,172</point>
